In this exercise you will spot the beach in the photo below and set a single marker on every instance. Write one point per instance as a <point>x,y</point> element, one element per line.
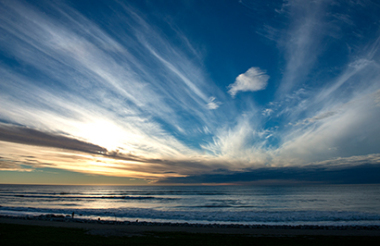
<point>43,230</point>
<point>127,228</point>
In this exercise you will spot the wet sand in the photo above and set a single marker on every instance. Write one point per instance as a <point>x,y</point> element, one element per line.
<point>109,228</point>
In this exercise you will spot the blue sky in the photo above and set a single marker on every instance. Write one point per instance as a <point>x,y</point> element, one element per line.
<point>146,92</point>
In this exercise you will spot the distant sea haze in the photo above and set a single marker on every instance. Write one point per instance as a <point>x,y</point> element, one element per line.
<point>272,205</point>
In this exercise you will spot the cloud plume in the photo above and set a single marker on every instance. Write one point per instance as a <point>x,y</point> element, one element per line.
<point>254,79</point>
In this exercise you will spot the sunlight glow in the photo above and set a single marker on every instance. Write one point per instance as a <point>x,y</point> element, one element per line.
<point>104,133</point>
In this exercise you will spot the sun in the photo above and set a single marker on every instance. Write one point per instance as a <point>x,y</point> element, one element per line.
<point>105,134</point>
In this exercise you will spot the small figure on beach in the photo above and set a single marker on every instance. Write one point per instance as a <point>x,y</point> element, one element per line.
<point>72,215</point>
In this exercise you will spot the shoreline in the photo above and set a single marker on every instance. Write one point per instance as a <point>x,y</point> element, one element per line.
<point>128,228</point>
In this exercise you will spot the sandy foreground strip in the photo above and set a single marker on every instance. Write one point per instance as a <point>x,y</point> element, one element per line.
<point>130,230</point>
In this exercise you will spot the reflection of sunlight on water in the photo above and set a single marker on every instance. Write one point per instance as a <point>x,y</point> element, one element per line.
<point>116,203</point>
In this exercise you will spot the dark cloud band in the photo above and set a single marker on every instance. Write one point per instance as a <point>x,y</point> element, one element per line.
<point>361,174</point>
<point>23,135</point>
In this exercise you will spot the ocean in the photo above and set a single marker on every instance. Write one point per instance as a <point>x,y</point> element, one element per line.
<point>247,205</point>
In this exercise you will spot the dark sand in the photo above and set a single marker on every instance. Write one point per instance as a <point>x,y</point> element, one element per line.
<point>130,229</point>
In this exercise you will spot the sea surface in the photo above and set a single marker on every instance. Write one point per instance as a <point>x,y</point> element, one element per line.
<point>249,205</point>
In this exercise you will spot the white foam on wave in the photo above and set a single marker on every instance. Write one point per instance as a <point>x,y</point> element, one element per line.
<point>236,217</point>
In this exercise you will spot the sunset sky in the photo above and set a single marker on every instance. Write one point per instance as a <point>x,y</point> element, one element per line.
<point>189,92</point>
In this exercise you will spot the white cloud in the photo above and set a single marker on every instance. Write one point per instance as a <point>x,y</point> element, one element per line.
<point>350,161</point>
<point>354,129</point>
<point>267,112</point>
<point>254,79</point>
<point>213,104</point>
<point>377,98</point>
<point>301,41</point>
<point>321,116</point>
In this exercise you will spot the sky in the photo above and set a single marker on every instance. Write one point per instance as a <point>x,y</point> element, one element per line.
<point>174,92</point>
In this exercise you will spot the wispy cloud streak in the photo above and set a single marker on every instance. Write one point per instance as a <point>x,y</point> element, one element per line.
<point>118,97</point>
